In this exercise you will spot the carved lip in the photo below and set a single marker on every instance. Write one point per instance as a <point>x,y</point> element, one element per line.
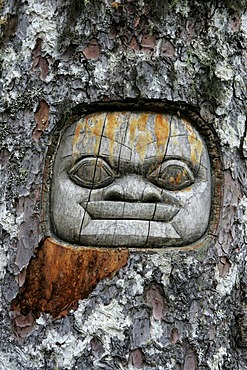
<point>130,211</point>
<point>135,233</point>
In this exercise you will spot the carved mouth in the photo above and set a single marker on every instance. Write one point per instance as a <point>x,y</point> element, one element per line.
<point>132,224</point>
<point>108,210</point>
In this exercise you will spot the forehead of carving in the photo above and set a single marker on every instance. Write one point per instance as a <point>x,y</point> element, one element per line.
<point>142,133</point>
<point>127,134</point>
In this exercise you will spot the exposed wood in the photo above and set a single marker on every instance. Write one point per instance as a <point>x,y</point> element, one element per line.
<point>58,276</point>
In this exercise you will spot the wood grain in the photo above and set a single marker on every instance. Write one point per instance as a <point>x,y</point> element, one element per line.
<point>59,276</point>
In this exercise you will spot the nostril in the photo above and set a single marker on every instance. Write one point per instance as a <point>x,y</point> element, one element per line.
<point>114,194</point>
<point>151,198</point>
<point>115,197</point>
<point>151,195</point>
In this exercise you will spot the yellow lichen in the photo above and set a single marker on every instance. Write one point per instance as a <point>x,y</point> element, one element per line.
<point>196,145</point>
<point>162,130</point>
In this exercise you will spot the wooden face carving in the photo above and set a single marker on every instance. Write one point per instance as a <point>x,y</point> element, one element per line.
<point>131,179</point>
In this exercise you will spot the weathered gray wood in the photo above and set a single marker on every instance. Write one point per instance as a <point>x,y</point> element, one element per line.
<point>167,164</point>
<point>166,309</point>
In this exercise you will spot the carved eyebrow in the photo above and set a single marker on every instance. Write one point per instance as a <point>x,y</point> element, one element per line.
<point>185,160</point>
<point>114,160</point>
<point>147,162</point>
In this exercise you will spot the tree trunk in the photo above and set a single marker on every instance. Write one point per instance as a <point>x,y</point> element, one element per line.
<point>65,305</point>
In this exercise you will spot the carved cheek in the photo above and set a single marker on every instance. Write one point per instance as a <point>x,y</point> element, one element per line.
<point>192,220</point>
<point>66,212</point>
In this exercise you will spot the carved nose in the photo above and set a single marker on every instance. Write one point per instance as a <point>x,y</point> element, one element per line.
<point>133,189</point>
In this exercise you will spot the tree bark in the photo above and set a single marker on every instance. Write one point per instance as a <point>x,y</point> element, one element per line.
<point>157,308</point>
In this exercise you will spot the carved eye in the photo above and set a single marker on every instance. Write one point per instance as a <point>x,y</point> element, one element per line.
<point>91,173</point>
<point>172,175</point>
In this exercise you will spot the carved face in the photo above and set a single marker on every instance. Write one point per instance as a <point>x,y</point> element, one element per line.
<point>131,179</point>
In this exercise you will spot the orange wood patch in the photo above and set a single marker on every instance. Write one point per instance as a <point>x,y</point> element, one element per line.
<point>59,276</point>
